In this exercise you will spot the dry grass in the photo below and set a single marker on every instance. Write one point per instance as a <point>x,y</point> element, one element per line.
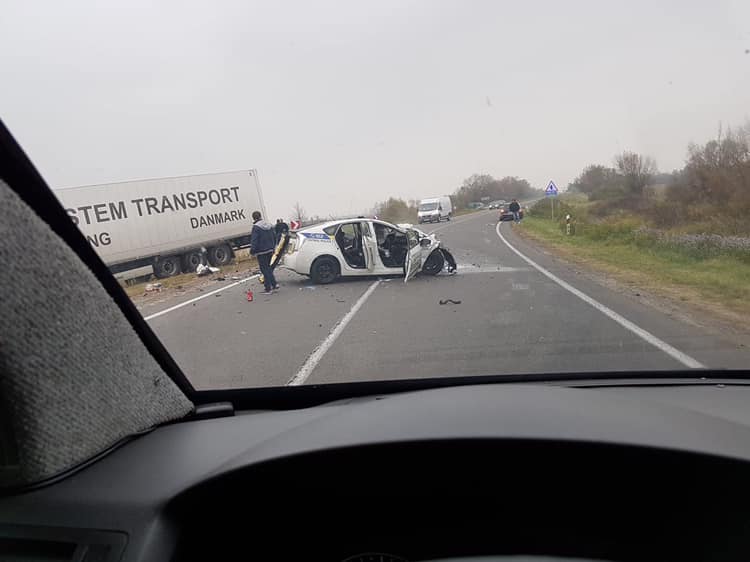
<point>242,263</point>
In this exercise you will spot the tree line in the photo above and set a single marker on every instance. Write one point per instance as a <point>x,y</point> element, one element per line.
<point>712,188</point>
<point>475,188</point>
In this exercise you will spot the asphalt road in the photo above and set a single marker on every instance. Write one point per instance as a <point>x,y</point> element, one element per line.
<point>514,317</point>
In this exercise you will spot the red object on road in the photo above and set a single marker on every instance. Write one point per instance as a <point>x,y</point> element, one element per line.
<point>249,296</point>
<point>294,225</point>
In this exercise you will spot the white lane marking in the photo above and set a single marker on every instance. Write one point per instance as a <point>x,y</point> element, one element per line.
<point>674,353</point>
<point>317,354</point>
<point>488,268</point>
<point>220,289</point>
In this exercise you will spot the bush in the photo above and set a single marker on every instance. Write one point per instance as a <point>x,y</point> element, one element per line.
<point>543,208</point>
<point>619,206</point>
<point>607,193</point>
<point>698,246</point>
<point>620,230</point>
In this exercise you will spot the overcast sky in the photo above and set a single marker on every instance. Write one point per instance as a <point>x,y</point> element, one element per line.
<point>341,104</point>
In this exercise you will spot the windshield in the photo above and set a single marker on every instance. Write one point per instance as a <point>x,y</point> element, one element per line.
<point>240,167</point>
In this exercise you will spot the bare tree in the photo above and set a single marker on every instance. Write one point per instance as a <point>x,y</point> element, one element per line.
<point>636,170</point>
<point>298,212</point>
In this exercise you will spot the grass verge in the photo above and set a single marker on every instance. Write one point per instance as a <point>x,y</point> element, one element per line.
<point>719,285</point>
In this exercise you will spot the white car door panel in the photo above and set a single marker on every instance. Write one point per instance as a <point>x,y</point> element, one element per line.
<point>413,255</point>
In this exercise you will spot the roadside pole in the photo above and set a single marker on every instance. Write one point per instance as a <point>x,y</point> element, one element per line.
<point>551,192</point>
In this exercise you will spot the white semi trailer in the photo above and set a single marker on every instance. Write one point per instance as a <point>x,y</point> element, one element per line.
<point>167,223</point>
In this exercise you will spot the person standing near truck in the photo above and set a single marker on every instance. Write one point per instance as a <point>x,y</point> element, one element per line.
<point>515,208</point>
<point>281,228</point>
<point>262,244</point>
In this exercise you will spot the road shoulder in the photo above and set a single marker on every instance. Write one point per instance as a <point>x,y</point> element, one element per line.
<point>680,304</point>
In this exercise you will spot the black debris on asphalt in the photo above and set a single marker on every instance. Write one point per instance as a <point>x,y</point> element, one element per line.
<point>449,301</point>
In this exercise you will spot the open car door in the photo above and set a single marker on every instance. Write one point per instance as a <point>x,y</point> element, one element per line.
<point>413,256</point>
<point>369,245</point>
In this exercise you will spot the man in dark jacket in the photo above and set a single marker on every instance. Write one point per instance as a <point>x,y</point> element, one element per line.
<point>281,228</point>
<point>262,245</point>
<point>515,208</point>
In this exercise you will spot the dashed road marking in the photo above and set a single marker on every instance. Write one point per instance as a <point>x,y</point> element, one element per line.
<point>316,356</point>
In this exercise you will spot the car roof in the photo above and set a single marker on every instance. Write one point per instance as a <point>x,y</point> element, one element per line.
<point>322,225</point>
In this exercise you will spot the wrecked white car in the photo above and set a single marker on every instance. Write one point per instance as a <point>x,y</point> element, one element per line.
<point>359,247</point>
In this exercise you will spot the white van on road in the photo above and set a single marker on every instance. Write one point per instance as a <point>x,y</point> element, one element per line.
<point>435,209</point>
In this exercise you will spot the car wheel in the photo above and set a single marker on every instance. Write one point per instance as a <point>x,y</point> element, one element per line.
<point>449,216</point>
<point>191,261</point>
<point>434,263</point>
<point>325,270</point>
<point>220,255</point>
<point>167,266</point>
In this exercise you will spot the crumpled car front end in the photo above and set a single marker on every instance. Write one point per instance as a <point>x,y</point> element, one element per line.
<point>435,256</point>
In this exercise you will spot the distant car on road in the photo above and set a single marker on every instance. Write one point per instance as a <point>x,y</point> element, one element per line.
<point>362,246</point>
<point>506,215</point>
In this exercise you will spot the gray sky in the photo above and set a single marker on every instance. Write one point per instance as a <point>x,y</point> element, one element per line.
<point>341,104</point>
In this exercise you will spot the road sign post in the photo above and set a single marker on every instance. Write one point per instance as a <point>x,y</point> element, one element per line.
<point>551,191</point>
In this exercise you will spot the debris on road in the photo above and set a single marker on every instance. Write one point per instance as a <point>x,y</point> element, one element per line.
<point>202,270</point>
<point>249,296</point>
<point>340,300</point>
<point>235,278</point>
<point>221,278</point>
<point>449,301</point>
<point>151,287</point>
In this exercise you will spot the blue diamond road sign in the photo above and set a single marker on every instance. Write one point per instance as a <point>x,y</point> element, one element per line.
<point>551,190</point>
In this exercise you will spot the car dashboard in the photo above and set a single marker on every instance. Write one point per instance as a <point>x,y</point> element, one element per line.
<point>614,472</point>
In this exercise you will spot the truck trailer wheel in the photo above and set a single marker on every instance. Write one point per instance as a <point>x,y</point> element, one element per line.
<point>167,266</point>
<point>220,255</point>
<point>191,261</point>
